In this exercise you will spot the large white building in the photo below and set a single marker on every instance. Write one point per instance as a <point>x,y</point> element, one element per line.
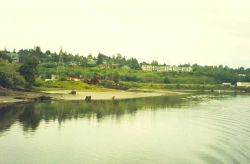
<point>243,84</point>
<point>166,68</point>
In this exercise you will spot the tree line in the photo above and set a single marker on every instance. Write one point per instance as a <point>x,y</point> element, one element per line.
<point>35,63</point>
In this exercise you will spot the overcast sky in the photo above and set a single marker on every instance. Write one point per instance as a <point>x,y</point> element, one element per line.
<point>207,32</point>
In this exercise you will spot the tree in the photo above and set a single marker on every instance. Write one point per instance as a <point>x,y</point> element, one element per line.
<point>29,69</point>
<point>154,62</point>
<point>100,58</point>
<point>4,56</point>
<point>119,59</point>
<point>133,63</point>
<point>166,80</point>
<point>38,50</point>
<point>116,77</point>
<point>9,77</point>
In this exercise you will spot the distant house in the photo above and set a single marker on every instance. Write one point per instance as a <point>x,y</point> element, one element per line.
<point>73,64</point>
<point>105,65</point>
<point>226,84</point>
<point>166,68</point>
<point>53,78</point>
<point>185,69</point>
<point>147,67</point>
<point>242,75</point>
<point>161,68</point>
<point>243,84</point>
<point>14,56</point>
<point>91,61</point>
<point>109,65</point>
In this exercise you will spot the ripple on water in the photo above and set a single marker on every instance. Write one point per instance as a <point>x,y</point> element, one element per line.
<point>229,124</point>
<point>222,153</point>
<point>214,130</point>
<point>208,158</point>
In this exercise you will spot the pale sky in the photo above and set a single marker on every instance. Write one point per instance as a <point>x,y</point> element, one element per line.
<point>207,32</point>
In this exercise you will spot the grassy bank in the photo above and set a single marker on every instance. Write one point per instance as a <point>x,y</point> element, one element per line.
<point>107,85</point>
<point>122,85</point>
<point>139,85</point>
<point>67,85</point>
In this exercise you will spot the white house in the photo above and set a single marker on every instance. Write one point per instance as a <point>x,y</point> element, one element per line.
<point>53,78</point>
<point>243,84</point>
<point>166,68</point>
<point>226,84</point>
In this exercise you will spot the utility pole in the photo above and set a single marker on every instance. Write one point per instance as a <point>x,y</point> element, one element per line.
<point>60,63</point>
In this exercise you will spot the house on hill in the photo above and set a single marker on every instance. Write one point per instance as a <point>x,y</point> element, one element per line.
<point>14,56</point>
<point>53,78</point>
<point>165,68</point>
<point>243,84</point>
<point>227,84</point>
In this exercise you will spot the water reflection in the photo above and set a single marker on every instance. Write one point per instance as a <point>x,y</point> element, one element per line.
<point>29,115</point>
<point>180,129</point>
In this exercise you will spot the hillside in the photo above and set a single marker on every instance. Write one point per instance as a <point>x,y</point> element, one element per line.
<point>56,69</point>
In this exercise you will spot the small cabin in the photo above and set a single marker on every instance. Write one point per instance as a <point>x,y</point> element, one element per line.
<point>53,78</point>
<point>226,84</point>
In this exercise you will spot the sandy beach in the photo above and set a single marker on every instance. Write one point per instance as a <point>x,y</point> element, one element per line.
<point>18,96</point>
<point>107,95</point>
<point>10,99</point>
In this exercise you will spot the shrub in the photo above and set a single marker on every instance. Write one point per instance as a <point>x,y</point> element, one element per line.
<point>9,77</point>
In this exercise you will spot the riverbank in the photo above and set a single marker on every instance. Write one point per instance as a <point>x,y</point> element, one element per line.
<point>14,96</point>
<point>11,96</point>
<point>108,95</point>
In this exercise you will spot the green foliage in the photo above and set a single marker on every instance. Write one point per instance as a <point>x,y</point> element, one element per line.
<point>107,83</point>
<point>122,71</point>
<point>101,58</point>
<point>135,85</point>
<point>69,85</point>
<point>133,63</point>
<point>154,62</point>
<point>198,77</point>
<point>3,55</point>
<point>9,77</point>
<point>166,80</point>
<point>50,65</point>
<point>200,74</point>
<point>113,85</point>
<point>116,77</point>
<point>29,69</point>
<point>128,77</point>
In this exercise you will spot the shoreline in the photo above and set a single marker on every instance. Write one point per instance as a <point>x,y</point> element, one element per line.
<point>8,96</point>
<point>64,95</point>
<point>108,95</point>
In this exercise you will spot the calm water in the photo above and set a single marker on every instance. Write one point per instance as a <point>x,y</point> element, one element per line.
<point>183,129</point>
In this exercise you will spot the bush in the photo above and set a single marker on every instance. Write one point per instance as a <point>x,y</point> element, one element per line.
<point>166,80</point>
<point>113,85</point>
<point>9,77</point>
<point>129,78</point>
<point>107,83</point>
<point>116,77</point>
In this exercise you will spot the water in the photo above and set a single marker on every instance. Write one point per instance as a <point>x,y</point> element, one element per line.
<point>178,129</point>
